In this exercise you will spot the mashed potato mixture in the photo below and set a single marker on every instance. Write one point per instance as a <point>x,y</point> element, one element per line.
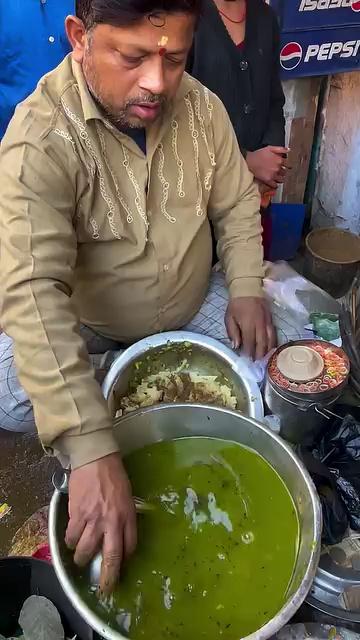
<point>178,385</point>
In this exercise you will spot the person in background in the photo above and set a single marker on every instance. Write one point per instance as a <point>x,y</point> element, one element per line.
<point>236,55</point>
<point>32,42</point>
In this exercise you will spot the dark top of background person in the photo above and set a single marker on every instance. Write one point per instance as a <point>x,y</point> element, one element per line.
<point>246,79</point>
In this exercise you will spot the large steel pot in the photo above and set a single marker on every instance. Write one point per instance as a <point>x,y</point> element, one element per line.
<point>165,422</point>
<point>204,355</point>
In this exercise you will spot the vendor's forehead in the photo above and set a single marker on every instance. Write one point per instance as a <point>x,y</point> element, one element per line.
<point>146,34</point>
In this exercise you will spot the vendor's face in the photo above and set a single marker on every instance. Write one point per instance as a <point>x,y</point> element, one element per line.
<point>133,71</point>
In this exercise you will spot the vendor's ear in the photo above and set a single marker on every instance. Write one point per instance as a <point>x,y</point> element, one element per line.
<point>77,36</point>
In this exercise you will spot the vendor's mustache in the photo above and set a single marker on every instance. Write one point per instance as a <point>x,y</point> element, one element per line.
<point>150,99</point>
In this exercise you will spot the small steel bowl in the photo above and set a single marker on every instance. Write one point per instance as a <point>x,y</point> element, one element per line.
<point>204,356</point>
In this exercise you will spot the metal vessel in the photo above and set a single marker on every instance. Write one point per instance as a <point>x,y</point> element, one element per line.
<point>204,355</point>
<point>304,409</point>
<point>334,597</point>
<point>166,422</point>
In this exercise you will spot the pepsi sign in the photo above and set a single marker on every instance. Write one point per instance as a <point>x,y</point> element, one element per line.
<point>318,53</point>
<point>291,56</point>
<point>300,15</point>
<point>319,37</point>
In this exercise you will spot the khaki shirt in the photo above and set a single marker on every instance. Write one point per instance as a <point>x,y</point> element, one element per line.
<point>92,230</point>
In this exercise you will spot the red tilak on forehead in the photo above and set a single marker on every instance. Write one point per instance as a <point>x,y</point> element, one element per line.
<point>162,51</point>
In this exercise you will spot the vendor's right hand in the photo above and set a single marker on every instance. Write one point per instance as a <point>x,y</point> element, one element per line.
<point>102,517</point>
<point>268,165</point>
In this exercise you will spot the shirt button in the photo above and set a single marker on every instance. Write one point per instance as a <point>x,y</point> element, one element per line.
<point>51,39</point>
<point>166,267</point>
<point>243,65</point>
<point>247,109</point>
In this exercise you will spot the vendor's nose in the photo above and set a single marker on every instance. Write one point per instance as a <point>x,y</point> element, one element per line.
<point>152,79</point>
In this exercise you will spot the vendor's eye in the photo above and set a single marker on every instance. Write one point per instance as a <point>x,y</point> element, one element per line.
<point>132,59</point>
<point>175,61</point>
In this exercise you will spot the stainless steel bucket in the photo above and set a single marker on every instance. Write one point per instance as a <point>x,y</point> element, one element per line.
<point>301,418</point>
<point>166,422</point>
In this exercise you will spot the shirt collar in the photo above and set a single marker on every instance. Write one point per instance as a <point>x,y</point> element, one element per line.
<point>89,107</point>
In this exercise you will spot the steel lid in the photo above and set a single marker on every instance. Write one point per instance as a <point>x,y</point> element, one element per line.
<point>300,363</point>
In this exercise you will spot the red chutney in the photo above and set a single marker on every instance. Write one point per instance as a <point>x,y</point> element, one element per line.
<point>336,369</point>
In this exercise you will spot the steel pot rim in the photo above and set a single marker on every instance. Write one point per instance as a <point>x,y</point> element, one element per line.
<point>334,612</point>
<point>286,612</point>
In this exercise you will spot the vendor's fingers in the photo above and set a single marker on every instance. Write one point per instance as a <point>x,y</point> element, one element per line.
<point>113,548</point>
<point>261,347</point>
<point>270,331</point>
<point>233,331</point>
<point>88,545</point>
<point>74,532</point>
<point>130,535</point>
<point>248,334</point>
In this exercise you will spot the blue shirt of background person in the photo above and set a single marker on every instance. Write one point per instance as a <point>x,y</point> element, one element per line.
<point>32,42</point>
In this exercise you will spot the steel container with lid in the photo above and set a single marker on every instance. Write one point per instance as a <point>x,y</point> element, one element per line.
<point>304,379</point>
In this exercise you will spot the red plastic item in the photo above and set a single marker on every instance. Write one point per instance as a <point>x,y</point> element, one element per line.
<point>43,553</point>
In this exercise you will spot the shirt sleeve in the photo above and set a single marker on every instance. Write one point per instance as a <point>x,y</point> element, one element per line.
<point>38,257</point>
<point>234,208</point>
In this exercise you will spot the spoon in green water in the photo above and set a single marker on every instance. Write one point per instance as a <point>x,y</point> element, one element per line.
<point>141,506</point>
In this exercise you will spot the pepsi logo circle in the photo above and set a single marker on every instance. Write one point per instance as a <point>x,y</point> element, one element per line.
<point>355,5</point>
<point>291,56</point>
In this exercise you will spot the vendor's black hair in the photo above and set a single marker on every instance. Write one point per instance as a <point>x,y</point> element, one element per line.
<point>121,13</point>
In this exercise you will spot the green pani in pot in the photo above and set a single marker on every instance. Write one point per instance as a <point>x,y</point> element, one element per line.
<point>217,554</point>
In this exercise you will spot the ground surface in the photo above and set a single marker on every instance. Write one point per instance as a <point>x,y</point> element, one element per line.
<point>25,481</point>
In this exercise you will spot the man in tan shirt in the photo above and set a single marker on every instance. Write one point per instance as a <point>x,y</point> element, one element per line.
<point>109,173</point>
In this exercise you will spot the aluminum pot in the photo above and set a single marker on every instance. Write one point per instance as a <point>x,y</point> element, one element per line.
<point>204,355</point>
<point>166,422</point>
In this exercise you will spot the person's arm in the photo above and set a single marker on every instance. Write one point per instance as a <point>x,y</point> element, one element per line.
<point>275,132</point>
<point>234,209</point>
<point>38,256</point>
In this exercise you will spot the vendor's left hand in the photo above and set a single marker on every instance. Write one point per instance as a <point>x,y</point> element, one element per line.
<point>249,324</point>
